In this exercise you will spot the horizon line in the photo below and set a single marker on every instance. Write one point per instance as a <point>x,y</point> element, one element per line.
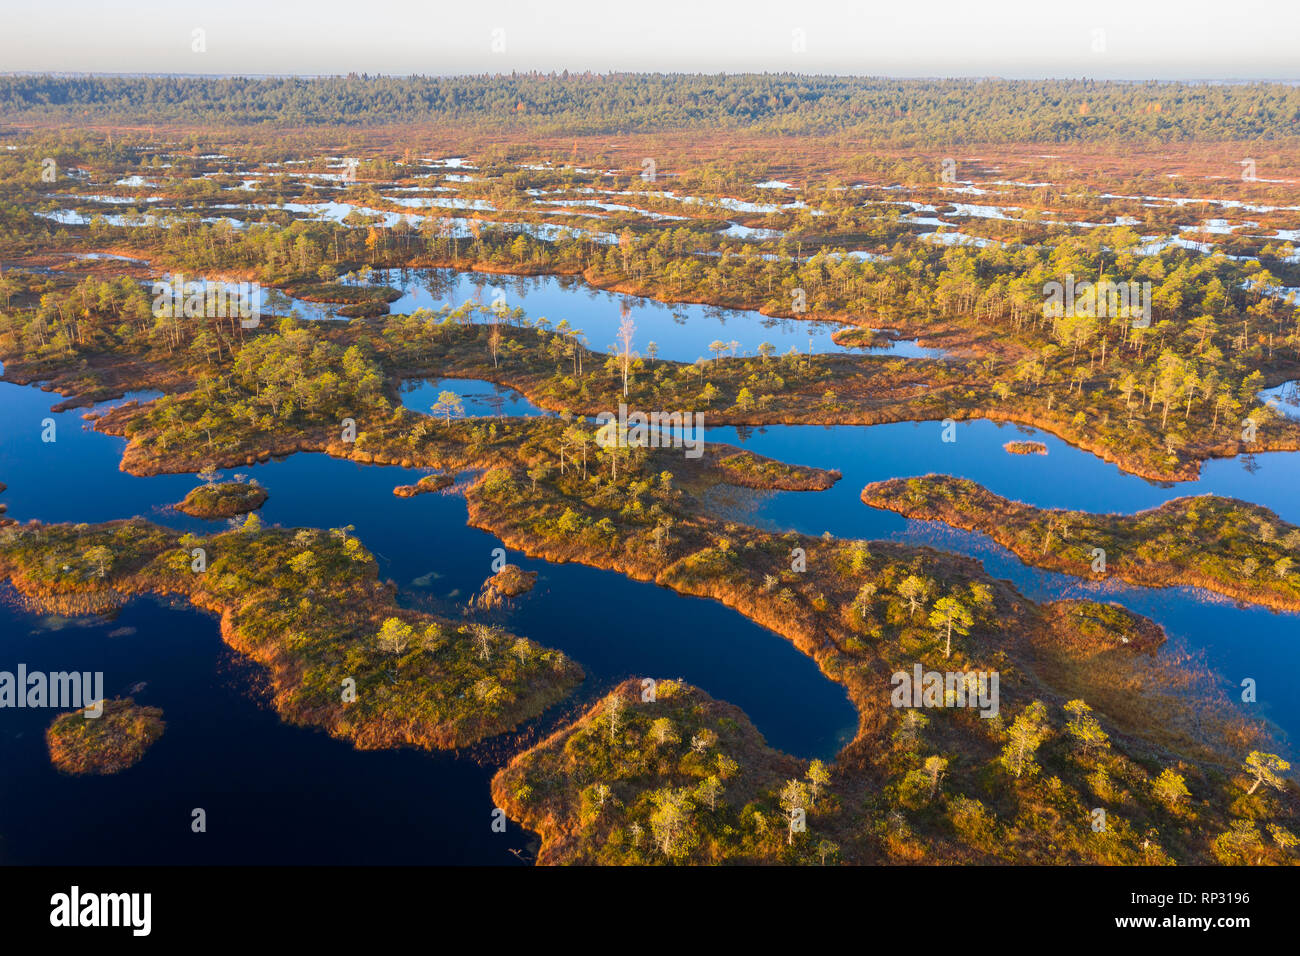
<point>353,74</point>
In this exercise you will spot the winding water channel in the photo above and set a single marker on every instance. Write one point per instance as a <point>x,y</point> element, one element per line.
<point>276,793</point>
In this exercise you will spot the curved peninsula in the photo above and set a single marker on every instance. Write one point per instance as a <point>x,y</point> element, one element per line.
<point>1231,547</point>
<point>308,605</point>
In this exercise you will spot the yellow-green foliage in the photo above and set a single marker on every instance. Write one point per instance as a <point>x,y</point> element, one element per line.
<point>308,605</point>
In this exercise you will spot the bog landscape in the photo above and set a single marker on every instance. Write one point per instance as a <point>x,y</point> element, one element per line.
<point>649,469</point>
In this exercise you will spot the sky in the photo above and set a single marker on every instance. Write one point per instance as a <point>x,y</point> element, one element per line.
<point>1104,39</point>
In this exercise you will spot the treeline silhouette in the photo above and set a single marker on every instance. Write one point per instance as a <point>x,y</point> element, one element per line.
<point>878,110</point>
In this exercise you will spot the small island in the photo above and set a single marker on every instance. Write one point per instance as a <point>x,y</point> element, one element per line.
<point>862,337</point>
<point>1026,448</point>
<point>358,301</point>
<point>110,743</point>
<point>425,485</point>
<point>223,500</point>
<point>510,582</point>
<point>744,469</point>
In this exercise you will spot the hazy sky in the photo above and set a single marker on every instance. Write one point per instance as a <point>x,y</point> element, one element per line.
<point>1133,39</point>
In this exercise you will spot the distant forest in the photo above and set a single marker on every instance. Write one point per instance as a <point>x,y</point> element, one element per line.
<point>875,109</point>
